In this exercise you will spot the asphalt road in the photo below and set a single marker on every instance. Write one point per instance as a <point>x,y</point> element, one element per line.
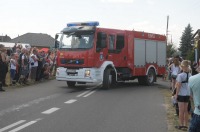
<point>53,107</point>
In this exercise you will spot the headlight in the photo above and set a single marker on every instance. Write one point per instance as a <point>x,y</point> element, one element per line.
<point>87,73</point>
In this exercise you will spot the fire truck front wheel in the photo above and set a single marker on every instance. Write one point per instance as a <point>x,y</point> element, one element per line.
<point>107,79</point>
<point>71,83</point>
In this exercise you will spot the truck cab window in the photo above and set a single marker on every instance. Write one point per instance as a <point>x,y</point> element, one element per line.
<point>101,40</point>
<point>120,42</point>
<point>111,42</point>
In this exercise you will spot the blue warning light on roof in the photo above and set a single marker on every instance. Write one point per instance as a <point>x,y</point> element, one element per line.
<point>83,24</point>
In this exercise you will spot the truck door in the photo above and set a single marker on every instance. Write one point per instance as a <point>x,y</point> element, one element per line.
<point>101,49</point>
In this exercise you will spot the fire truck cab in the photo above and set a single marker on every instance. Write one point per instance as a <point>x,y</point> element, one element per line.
<point>88,54</point>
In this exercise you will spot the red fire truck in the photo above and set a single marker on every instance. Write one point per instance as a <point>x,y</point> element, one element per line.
<point>89,54</point>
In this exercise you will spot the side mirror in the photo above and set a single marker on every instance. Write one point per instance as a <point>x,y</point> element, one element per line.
<point>56,41</point>
<point>56,44</point>
<point>56,37</point>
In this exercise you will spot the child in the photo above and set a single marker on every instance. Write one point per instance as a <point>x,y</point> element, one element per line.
<point>13,64</point>
<point>45,73</point>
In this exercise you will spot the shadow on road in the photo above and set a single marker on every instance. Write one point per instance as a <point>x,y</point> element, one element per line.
<point>118,86</point>
<point>78,88</point>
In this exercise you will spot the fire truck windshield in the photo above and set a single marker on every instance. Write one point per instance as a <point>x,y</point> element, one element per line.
<point>77,40</point>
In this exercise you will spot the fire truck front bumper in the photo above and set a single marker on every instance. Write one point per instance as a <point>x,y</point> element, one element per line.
<point>90,75</point>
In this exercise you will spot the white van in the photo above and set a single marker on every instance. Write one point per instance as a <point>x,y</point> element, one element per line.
<point>10,45</point>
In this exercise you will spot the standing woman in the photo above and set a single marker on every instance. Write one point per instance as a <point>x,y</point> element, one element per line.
<point>183,94</point>
<point>175,70</point>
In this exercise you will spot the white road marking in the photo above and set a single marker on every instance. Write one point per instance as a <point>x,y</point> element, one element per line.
<point>83,93</point>
<point>89,90</point>
<point>50,110</point>
<point>25,125</point>
<point>70,101</point>
<point>89,94</point>
<point>22,106</point>
<point>12,125</point>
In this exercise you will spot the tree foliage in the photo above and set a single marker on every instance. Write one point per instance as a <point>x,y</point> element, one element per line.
<point>171,50</point>
<point>186,42</point>
<point>190,55</point>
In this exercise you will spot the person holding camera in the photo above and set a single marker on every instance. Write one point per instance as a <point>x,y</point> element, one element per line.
<point>194,85</point>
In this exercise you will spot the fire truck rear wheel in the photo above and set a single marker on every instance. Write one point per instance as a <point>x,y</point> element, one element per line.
<point>150,78</point>
<point>107,79</point>
<point>71,84</point>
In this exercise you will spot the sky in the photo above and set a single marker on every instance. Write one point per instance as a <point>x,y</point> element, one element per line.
<point>19,17</point>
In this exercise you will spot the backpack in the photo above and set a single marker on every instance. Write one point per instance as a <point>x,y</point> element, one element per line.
<point>186,81</point>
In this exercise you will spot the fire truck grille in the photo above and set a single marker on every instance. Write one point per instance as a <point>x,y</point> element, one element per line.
<point>72,61</point>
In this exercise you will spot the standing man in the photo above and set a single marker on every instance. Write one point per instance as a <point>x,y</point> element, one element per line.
<point>5,60</point>
<point>194,85</point>
<point>1,68</point>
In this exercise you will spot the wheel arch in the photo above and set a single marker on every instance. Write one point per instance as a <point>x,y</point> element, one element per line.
<point>108,64</point>
<point>151,67</point>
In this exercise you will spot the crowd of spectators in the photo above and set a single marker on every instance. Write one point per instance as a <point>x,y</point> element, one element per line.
<point>179,73</point>
<point>25,65</point>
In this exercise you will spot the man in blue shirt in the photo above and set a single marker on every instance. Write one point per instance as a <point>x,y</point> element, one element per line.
<point>194,85</point>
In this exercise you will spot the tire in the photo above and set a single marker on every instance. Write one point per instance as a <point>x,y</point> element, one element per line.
<point>150,78</point>
<point>107,79</point>
<point>71,84</point>
<point>114,81</point>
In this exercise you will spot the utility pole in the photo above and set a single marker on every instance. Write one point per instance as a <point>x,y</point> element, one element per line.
<point>167,29</point>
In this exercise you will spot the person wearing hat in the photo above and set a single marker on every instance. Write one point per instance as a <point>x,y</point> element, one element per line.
<point>183,94</point>
<point>194,85</point>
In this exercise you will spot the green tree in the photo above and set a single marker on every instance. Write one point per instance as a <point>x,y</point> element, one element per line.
<point>186,42</point>
<point>171,50</point>
<point>190,55</point>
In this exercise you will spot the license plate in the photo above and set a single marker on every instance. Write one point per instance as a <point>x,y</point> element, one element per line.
<point>72,74</point>
<point>71,70</point>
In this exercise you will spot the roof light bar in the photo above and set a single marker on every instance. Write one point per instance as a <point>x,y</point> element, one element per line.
<point>83,24</point>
